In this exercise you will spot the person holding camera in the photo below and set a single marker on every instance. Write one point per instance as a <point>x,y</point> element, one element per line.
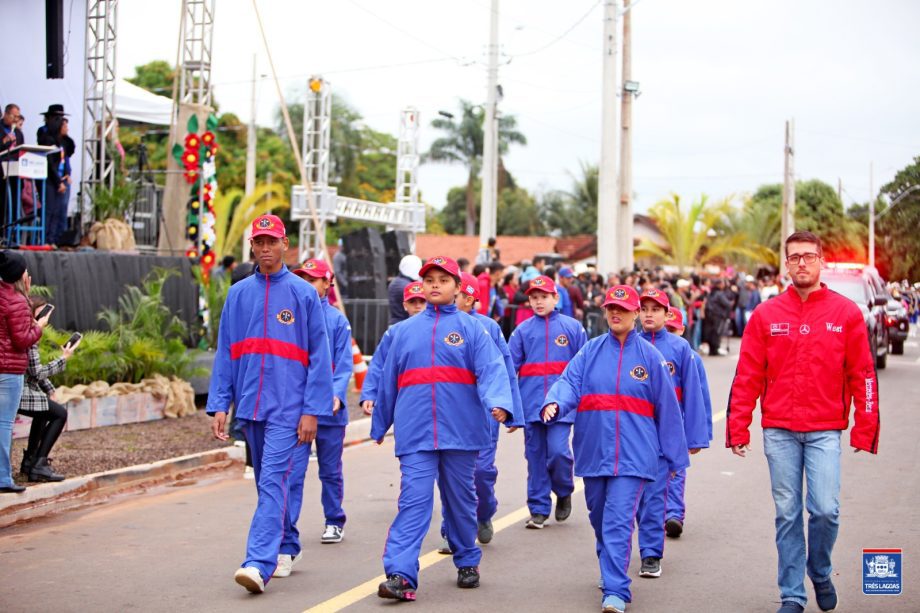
<point>19,330</point>
<point>48,416</point>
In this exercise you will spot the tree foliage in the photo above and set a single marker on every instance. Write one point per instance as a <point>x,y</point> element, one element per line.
<point>897,245</point>
<point>572,212</point>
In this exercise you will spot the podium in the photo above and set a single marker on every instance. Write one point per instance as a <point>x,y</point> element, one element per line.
<point>25,163</point>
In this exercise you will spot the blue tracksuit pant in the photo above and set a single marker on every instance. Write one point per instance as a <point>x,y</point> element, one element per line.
<point>612,504</point>
<point>651,515</point>
<point>549,464</point>
<point>484,476</point>
<point>454,472</point>
<point>330,441</point>
<point>280,465</point>
<point>677,487</point>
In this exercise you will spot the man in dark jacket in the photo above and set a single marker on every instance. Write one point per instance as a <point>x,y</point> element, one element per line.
<point>10,136</point>
<point>408,272</point>
<point>718,309</point>
<point>55,192</point>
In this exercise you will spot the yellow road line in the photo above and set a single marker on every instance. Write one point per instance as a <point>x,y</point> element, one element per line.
<point>368,588</point>
<point>717,417</point>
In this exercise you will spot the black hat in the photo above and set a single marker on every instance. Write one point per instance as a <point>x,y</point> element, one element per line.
<point>55,109</point>
<point>12,266</point>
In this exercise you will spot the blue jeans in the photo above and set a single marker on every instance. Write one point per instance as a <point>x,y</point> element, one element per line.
<point>10,394</point>
<point>818,455</point>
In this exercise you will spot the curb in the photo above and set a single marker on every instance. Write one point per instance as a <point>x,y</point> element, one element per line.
<point>49,498</point>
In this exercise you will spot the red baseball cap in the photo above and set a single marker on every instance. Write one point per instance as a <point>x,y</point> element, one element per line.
<point>674,319</point>
<point>413,291</point>
<point>444,263</point>
<point>318,269</point>
<point>657,296</point>
<point>623,296</point>
<point>268,225</point>
<point>543,284</point>
<point>469,285</point>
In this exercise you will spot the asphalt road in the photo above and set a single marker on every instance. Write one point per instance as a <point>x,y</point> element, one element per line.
<point>175,549</point>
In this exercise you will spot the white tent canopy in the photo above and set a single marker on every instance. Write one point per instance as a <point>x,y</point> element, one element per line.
<point>137,105</point>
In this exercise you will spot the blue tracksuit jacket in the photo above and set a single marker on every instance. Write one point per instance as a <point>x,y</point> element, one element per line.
<point>495,333</point>
<point>441,370</point>
<point>375,369</point>
<point>681,361</point>
<point>339,332</point>
<point>625,407</point>
<point>272,360</point>
<point>541,347</point>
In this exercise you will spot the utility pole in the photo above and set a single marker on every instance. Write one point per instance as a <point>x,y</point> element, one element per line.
<point>608,200</point>
<point>624,211</point>
<point>840,190</point>
<point>250,153</point>
<point>871,217</point>
<point>788,212</point>
<point>488,211</point>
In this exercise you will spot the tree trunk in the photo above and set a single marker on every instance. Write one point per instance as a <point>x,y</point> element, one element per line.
<point>470,205</point>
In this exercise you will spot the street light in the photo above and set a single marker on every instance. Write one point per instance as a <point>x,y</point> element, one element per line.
<point>632,87</point>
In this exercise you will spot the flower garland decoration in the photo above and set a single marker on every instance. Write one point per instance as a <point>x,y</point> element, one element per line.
<point>197,157</point>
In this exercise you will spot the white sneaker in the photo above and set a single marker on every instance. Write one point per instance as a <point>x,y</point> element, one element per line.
<point>249,473</point>
<point>333,534</point>
<point>250,578</point>
<point>286,564</point>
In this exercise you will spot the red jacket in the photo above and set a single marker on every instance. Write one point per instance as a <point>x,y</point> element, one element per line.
<point>18,331</point>
<point>807,362</point>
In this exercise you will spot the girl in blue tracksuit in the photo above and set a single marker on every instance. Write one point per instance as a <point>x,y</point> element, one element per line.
<point>486,472</point>
<point>541,347</point>
<point>442,369</point>
<point>272,362</point>
<point>626,415</point>
<point>679,357</point>
<point>675,510</point>
<point>330,432</point>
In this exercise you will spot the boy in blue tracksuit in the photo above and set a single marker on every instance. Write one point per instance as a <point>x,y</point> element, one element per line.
<point>330,432</point>
<point>441,371</point>
<point>680,360</point>
<point>414,303</point>
<point>272,362</point>
<point>486,472</point>
<point>620,390</point>
<point>676,507</point>
<point>541,347</point>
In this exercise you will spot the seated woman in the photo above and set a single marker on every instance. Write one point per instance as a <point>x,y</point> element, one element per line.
<point>48,416</point>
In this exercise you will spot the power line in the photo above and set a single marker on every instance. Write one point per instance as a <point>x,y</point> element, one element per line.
<point>346,70</point>
<point>561,36</point>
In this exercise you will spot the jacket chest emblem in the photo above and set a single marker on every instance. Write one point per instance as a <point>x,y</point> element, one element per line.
<point>671,368</point>
<point>454,339</point>
<point>285,316</point>
<point>804,329</point>
<point>639,373</point>
<point>779,329</point>
<point>832,328</point>
<point>562,340</point>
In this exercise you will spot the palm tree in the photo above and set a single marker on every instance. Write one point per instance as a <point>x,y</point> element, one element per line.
<point>693,236</point>
<point>463,145</point>
<point>234,211</point>
<point>761,224</point>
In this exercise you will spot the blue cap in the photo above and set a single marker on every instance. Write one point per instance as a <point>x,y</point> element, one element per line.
<point>565,271</point>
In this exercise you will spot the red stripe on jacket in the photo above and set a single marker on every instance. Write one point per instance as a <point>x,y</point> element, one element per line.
<point>269,346</point>
<point>436,374</point>
<point>616,402</point>
<point>542,369</point>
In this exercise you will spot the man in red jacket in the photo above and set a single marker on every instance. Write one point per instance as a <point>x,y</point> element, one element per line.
<point>806,355</point>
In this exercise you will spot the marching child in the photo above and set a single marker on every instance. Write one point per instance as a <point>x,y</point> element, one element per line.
<point>626,415</point>
<point>330,431</point>
<point>440,372</point>
<point>680,360</point>
<point>541,347</point>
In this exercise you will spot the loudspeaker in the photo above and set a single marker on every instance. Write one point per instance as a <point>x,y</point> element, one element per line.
<point>366,264</point>
<point>396,244</point>
<point>54,39</point>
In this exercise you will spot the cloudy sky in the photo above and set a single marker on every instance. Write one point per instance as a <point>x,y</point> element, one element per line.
<point>718,80</point>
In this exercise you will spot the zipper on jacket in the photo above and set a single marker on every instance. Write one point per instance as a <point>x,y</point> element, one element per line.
<point>616,456</point>
<point>546,358</point>
<point>434,413</point>
<point>255,411</point>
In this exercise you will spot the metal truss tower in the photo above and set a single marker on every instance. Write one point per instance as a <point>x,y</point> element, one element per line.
<point>197,34</point>
<point>407,158</point>
<point>99,100</point>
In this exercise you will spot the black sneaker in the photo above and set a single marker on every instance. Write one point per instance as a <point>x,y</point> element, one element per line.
<point>486,532</point>
<point>468,576</point>
<point>536,521</point>
<point>397,588</point>
<point>790,607</point>
<point>825,595</point>
<point>651,567</point>
<point>563,508</point>
<point>674,528</point>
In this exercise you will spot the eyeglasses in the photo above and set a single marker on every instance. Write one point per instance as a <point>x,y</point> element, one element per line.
<point>796,258</point>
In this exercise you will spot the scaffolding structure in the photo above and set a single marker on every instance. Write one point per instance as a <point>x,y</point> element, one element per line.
<point>407,158</point>
<point>99,100</point>
<point>197,33</point>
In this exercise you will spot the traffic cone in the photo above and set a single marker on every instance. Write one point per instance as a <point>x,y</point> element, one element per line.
<point>360,367</point>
